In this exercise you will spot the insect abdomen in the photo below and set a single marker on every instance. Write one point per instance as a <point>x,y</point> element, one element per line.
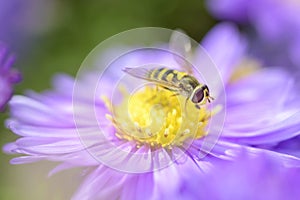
<point>167,75</point>
<point>155,73</point>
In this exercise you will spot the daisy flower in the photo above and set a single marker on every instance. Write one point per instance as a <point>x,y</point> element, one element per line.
<point>8,76</point>
<point>138,143</point>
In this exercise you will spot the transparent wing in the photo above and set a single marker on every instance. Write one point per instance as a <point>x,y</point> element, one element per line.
<point>180,44</point>
<point>144,72</point>
<point>138,72</point>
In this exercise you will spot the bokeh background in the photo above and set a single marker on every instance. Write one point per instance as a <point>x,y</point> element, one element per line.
<point>54,36</point>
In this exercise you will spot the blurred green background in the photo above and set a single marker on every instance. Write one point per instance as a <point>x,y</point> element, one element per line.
<point>56,38</point>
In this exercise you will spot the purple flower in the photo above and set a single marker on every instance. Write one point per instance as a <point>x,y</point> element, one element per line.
<point>20,21</point>
<point>247,178</point>
<point>114,138</point>
<point>8,76</point>
<point>272,27</point>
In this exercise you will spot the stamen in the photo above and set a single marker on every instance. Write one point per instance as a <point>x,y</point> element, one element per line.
<point>166,132</point>
<point>156,118</point>
<point>148,132</point>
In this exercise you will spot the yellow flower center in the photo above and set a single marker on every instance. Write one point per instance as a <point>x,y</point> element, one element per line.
<point>158,118</point>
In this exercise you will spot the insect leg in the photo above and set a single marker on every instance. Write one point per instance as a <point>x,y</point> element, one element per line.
<point>175,94</point>
<point>185,106</point>
<point>166,88</point>
<point>151,98</point>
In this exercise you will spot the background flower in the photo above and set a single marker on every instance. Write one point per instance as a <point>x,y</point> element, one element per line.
<point>21,22</point>
<point>272,27</point>
<point>8,76</point>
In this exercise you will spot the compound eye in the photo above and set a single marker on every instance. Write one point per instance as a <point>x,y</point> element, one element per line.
<point>198,96</point>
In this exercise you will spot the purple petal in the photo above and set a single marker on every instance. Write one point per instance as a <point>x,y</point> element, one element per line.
<point>95,185</point>
<point>226,48</point>
<point>235,10</point>
<point>8,76</point>
<point>283,130</point>
<point>26,159</point>
<point>237,149</point>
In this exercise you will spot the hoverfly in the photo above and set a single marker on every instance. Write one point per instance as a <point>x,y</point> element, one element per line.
<point>181,83</point>
<point>178,82</point>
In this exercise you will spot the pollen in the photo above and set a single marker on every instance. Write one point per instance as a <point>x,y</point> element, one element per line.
<point>157,118</point>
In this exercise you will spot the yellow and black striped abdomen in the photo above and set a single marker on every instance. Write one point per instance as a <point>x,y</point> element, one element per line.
<point>167,75</point>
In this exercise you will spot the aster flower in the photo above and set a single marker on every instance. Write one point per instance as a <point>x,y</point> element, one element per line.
<point>112,137</point>
<point>248,177</point>
<point>272,27</point>
<point>8,76</point>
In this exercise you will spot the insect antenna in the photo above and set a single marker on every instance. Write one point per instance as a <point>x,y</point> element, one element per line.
<point>209,99</point>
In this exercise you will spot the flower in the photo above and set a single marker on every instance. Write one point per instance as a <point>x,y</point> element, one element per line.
<point>20,21</point>
<point>8,76</point>
<point>130,159</point>
<point>248,177</point>
<point>272,27</point>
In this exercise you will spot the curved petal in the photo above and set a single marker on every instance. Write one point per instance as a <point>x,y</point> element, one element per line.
<point>226,48</point>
